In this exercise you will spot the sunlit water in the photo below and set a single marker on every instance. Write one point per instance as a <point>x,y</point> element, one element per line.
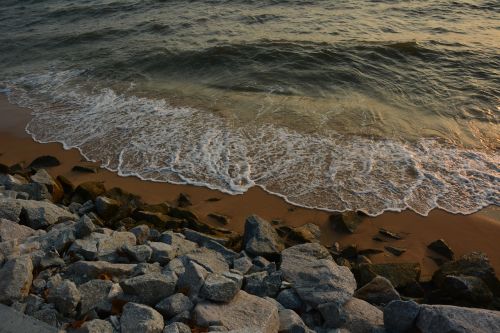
<point>339,105</point>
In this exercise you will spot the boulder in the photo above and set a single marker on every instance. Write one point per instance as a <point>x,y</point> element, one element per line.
<point>174,305</point>
<point>66,184</point>
<point>263,284</point>
<point>401,275</point>
<point>447,318</point>
<point>242,264</point>
<point>201,238</point>
<point>220,287</point>
<point>84,271</point>
<point>16,276</point>
<point>193,278</point>
<point>141,233</point>
<point>138,253</point>
<point>150,288</point>
<point>45,161</point>
<point>96,326</point>
<point>109,246</point>
<point>15,322</point>
<point>162,253</point>
<point>289,299</point>
<point>211,260</point>
<point>178,241</point>
<point>245,313</point>
<point>106,207</point>
<point>308,233</point>
<point>441,247</point>
<point>316,280</point>
<point>474,264</point>
<point>356,316</point>
<point>465,291</point>
<point>260,239</point>
<point>88,191</point>
<point>94,294</point>
<point>378,291</point>
<point>177,328</point>
<point>41,214</point>
<point>400,316</point>
<point>290,322</point>
<point>141,318</point>
<point>184,200</point>
<point>84,227</point>
<point>10,209</point>
<point>346,222</point>
<point>10,230</point>
<point>65,296</point>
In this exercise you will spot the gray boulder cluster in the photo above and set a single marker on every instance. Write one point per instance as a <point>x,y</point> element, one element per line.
<point>89,260</point>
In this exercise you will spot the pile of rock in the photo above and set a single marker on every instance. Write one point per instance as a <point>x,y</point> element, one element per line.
<point>86,259</point>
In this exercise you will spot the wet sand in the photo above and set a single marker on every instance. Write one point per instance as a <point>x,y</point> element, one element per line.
<point>476,232</point>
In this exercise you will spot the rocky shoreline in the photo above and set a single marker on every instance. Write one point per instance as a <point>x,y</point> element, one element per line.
<point>91,259</point>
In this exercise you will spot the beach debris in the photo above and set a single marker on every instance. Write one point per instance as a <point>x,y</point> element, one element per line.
<point>397,251</point>
<point>346,222</point>
<point>441,247</point>
<point>45,161</point>
<point>390,234</point>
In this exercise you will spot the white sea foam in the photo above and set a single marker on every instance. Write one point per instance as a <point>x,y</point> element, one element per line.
<point>155,141</point>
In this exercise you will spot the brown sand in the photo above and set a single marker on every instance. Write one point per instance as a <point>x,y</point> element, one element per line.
<point>476,232</point>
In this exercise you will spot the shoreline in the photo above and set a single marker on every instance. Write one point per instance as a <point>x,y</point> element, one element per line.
<point>475,232</point>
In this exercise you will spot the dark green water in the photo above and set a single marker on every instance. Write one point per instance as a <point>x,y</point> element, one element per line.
<point>366,105</point>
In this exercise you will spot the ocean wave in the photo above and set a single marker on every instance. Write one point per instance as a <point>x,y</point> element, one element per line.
<point>154,140</point>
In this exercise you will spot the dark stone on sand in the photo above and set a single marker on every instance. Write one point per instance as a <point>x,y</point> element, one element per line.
<point>219,218</point>
<point>465,291</point>
<point>389,234</point>
<point>369,252</point>
<point>378,239</point>
<point>45,161</point>
<point>66,184</point>
<point>345,222</point>
<point>401,275</point>
<point>213,199</point>
<point>4,168</point>
<point>88,191</point>
<point>442,248</point>
<point>308,233</point>
<point>184,200</point>
<point>397,251</point>
<point>349,252</point>
<point>85,168</point>
<point>181,213</point>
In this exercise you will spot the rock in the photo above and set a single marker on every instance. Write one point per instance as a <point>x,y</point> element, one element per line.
<point>33,304</point>
<point>201,238</point>
<point>178,241</point>
<point>45,161</point>
<point>41,214</point>
<point>106,207</point>
<point>94,294</point>
<point>16,322</point>
<point>66,184</point>
<point>95,326</point>
<point>316,280</point>
<point>141,233</point>
<point>184,200</point>
<point>474,264</point>
<point>140,318</point>
<point>10,209</point>
<point>16,276</point>
<point>84,248</point>
<point>85,168</point>
<point>109,246</point>
<point>177,328</point>
<point>222,219</point>
<point>84,271</point>
<point>48,315</point>
<point>220,288</point>
<point>157,219</point>
<point>378,291</point>
<point>86,208</point>
<point>42,177</point>
<point>400,316</point>
<point>242,264</point>
<point>65,296</point>
<point>174,305</point>
<point>184,214</point>
<point>212,261</point>
<point>88,191</point>
<point>346,222</point>
<point>442,248</point>
<point>446,318</point>
<point>401,275</point>
<point>290,322</point>
<point>138,253</point>
<point>397,251</point>
<point>289,299</point>
<point>260,239</point>
<point>308,233</point>
<point>389,234</point>
<point>10,230</point>
<point>84,227</point>
<point>467,291</point>
<point>150,288</point>
<point>356,316</point>
<point>193,278</point>
<point>349,252</point>
<point>246,313</point>
<point>162,253</point>
<point>263,284</point>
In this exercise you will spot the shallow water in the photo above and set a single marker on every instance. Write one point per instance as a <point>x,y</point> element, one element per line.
<point>365,105</point>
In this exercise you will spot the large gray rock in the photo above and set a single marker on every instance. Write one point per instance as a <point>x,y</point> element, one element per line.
<point>378,291</point>
<point>96,326</point>
<point>36,214</point>
<point>94,294</point>
<point>174,305</point>
<point>289,299</point>
<point>11,230</point>
<point>141,318</point>
<point>263,284</point>
<point>447,318</point>
<point>162,253</point>
<point>290,322</point>
<point>212,261</point>
<point>356,316</point>
<point>13,321</point>
<point>221,287</point>
<point>178,241</point>
<point>316,281</point>
<point>138,253</point>
<point>108,246</point>
<point>106,207</point>
<point>177,328</point>
<point>193,278</point>
<point>83,271</point>
<point>10,209</point>
<point>16,276</point>
<point>245,313</point>
<point>400,316</point>
<point>65,296</point>
<point>141,233</point>
<point>260,238</point>
<point>150,288</point>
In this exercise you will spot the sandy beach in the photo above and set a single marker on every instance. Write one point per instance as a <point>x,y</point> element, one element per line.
<point>476,232</point>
